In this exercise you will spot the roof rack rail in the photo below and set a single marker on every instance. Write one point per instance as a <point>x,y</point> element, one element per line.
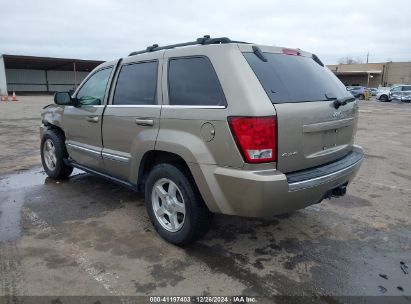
<point>203,41</point>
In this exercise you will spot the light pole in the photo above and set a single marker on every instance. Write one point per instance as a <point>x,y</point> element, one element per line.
<point>368,79</point>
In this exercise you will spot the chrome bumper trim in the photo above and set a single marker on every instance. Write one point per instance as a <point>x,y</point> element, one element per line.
<point>309,183</point>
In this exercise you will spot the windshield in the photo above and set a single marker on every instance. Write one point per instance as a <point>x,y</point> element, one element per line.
<point>288,78</point>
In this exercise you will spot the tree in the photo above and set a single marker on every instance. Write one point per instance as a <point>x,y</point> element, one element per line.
<point>349,60</point>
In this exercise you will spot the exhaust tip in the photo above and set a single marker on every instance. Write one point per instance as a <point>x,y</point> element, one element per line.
<point>339,191</point>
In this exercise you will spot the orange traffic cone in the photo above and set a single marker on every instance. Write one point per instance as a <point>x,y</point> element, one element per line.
<point>4,98</point>
<point>14,98</point>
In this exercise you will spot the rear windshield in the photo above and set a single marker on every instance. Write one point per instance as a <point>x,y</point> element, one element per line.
<point>288,78</point>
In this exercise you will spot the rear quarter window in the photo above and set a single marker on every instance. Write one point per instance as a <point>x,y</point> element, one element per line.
<point>289,78</point>
<point>193,81</point>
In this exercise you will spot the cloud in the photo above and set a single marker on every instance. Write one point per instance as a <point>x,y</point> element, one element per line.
<point>107,29</point>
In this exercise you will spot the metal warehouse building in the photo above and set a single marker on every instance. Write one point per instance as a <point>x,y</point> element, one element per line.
<point>41,74</point>
<point>373,74</point>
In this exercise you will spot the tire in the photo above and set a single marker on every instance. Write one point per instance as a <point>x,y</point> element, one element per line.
<point>383,98</point>
<point>52,143</point>
<point>182,216</point>
<point>361,97</point>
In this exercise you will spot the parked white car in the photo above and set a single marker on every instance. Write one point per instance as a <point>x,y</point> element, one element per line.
<point>398,92</point>
<point>382,94</point>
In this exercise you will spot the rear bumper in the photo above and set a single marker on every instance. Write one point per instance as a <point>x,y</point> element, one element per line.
<point>324,174</point>
<point>269,192</point>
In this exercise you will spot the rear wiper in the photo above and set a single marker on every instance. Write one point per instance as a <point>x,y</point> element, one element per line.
<point>257,51</point>
<point>338,102</point>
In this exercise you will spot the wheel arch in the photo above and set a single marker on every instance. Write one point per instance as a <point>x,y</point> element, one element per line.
<point>153,157</point>
<point>386,96</point>
<point>50,126</point>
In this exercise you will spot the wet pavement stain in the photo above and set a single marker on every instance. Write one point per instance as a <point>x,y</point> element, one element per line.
<point>351,201</point>
<point>169,274</point>
<point>10,207</point>
<point>52,258</point>
<point>12,200</point>
<point>219,260</point>
<point>146,288</point>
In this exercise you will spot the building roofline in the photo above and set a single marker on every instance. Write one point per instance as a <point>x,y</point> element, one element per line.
<point>357,72</point>
<point>48,63</point>
<point>351,64</point>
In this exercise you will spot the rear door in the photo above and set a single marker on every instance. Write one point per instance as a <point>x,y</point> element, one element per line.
<point>131,120</point>
<point>406,93</point>
<point>311,131</point>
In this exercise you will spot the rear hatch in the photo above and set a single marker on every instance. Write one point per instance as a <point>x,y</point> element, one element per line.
<point>311,130</point>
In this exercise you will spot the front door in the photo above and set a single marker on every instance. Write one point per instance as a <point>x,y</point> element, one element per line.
<point>82,123</point>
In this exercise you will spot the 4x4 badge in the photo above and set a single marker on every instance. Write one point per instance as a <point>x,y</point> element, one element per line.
<point>287,154</point>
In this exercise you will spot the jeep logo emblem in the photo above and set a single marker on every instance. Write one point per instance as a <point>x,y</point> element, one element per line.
<point>337,114</point>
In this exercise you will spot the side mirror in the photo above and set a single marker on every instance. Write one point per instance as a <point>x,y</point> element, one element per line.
<point>64,99</point>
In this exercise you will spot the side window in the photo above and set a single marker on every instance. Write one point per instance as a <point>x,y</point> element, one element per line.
<point>136,84</point>
<point>193,81</point>
<point>396,89</point>
<point>93,91</point>
<point>406,88</point>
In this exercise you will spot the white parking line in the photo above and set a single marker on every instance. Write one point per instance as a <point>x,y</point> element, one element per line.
<point>108,280</point>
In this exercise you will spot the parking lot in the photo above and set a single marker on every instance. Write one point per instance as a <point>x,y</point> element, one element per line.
<point>87,236</point>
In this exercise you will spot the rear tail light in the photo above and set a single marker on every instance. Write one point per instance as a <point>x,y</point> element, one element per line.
<point>256,137</point>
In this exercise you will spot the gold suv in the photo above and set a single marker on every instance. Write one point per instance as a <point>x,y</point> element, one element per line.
<point>209,126</point>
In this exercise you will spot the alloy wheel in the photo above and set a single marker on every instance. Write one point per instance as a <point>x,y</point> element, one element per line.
<point>49,154</point>
<point>168,205</point>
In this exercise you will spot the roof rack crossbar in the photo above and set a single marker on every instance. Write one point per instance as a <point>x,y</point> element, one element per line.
<point>203,40</point>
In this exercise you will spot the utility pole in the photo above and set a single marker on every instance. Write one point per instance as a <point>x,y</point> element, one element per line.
<point>75,75</point>
<point>368,54</point>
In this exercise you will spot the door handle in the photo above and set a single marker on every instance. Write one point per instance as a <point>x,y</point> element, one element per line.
<point>144,122</point>
<point>92,119</point>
